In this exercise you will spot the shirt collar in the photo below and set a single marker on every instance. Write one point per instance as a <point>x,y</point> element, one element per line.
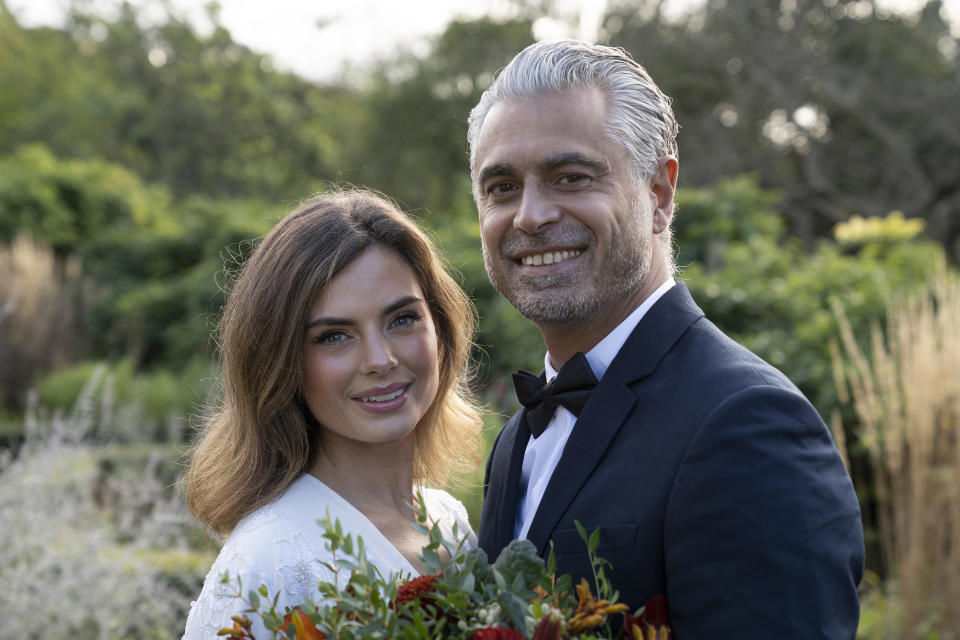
<point>607,349</point>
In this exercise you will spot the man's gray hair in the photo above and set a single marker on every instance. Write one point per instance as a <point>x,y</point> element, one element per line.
<point>639,117</point>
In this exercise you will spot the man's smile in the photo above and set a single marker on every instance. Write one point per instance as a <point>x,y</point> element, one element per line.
<point>549,257</point>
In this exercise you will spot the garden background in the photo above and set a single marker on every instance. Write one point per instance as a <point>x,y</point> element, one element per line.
<point>818,223</point>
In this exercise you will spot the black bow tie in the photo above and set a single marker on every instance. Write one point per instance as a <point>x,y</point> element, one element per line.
<point>570,389</point>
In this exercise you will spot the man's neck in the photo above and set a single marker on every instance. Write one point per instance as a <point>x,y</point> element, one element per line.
<point>564,339</point>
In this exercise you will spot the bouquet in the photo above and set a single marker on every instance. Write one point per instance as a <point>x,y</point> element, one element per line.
<point>463,597</point>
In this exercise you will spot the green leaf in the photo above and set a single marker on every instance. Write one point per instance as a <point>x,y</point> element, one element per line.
<point>498,579</point>
<point>582,531</point>
<point>514,609</point>
<point>432,559</point>
<point>421,529</point>
<point>594,541</point>
<point>551,560</point>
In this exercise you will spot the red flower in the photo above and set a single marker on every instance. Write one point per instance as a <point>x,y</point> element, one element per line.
<point>413,589</point>
<point>655,617</point>
<point>497,633</point>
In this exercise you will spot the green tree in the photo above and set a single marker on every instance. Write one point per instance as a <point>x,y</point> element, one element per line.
<point>773,293</point>
<point>201,114</point>
<point>414,144</point>
<point>66,204</point>
<point>840,105</point>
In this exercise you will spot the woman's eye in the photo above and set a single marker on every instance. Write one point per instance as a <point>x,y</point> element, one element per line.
<point>331,338</point>
<point>405,320</point>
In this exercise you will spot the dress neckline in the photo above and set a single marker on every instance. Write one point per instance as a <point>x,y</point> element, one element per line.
<point>375,538</point>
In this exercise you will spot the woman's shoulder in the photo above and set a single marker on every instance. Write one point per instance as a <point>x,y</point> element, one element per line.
<point>448,511</point>
<point>289,521</point>
<point>280,545</point>
<point>441,500</point>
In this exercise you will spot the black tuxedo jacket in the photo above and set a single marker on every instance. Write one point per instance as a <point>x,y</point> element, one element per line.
<point>712,480</point>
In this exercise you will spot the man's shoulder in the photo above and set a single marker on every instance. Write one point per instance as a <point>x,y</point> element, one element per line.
<point>711,353</point>
<point>698,347</point>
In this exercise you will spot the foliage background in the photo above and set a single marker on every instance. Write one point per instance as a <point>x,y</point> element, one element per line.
<point>821,163</point>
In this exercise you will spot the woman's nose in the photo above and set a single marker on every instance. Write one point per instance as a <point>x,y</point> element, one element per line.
<point>379,357</point>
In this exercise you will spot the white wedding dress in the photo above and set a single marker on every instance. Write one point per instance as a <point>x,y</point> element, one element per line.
<point>280,545</point>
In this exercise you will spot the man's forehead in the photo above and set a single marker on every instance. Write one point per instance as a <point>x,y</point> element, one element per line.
<point>569,122</point>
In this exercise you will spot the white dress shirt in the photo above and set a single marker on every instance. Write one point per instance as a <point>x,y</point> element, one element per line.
<point>543,453</point>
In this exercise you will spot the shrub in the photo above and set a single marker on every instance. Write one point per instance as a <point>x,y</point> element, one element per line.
<point>153,406</point>
<point>772,293</point>
<point>92,548</point>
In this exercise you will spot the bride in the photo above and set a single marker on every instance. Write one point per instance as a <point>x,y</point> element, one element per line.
<point>344,348</point>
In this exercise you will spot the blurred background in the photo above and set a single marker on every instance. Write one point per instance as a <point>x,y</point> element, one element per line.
<point>143,146</point>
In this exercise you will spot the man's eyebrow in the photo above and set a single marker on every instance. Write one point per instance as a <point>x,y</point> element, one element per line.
<point>572,157</point>
<point>500,169</point>
<point>387,310</point>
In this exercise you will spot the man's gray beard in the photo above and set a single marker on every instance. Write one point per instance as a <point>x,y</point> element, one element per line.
<point>569,304</point>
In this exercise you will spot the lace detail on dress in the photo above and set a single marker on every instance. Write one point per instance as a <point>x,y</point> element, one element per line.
<point>264,515</point>
<point>217,602</point>
<point>299,566</point>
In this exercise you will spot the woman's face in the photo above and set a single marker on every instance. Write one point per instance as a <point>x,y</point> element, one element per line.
<point>370,358</point>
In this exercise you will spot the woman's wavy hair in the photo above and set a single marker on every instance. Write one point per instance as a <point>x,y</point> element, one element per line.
<point>260,436</point>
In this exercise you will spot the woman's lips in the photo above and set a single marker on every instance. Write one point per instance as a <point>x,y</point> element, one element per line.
<point>383,399</point>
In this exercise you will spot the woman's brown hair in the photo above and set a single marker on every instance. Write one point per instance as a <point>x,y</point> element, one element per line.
<point>260,437</point>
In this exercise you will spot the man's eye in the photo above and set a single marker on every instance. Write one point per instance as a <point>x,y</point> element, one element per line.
<point>572,179</point>
<point>500,188</point>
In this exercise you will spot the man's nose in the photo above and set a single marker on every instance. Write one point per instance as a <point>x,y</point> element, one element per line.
<point>535,210</point>
<point>379,356</point>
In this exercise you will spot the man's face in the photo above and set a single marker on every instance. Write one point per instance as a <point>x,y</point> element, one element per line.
<point>566,236</point>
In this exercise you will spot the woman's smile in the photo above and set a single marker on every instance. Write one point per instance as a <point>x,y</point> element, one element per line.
<point>384,400</point>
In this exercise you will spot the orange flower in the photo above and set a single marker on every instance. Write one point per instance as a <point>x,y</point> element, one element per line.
<point>591,612</point>
<point>240,629</point>
<point>302,624</point>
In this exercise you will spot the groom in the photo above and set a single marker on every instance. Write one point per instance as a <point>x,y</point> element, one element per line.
<point>711,479</point>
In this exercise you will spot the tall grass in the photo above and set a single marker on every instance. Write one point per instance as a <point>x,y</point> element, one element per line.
<point>906,394</point>
<point>96,544</point>
<point>37,313</point>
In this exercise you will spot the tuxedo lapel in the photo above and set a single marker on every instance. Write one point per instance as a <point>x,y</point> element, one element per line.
<point>610,405</point>
<point>500,502</point>
<point>655,335</point>
<point>595,429</point>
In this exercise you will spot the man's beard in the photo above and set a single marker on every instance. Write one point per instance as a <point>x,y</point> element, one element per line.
<point>560,299</point>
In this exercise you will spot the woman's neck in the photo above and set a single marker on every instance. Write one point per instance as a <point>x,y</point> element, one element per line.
<point>378,481</point>
<point>374,478</point>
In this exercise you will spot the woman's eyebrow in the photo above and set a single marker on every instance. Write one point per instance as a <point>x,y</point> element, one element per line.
<point>390,308</point>
<point>401,302</point>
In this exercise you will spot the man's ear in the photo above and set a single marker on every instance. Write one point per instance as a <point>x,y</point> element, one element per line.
<point>664,184</point>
